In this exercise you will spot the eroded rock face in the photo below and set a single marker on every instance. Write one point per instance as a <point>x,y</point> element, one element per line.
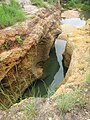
<point>77,58</point>
<point>70,14</point>
<point>23,50</point>
<point>78,47</point>
<point>79,38</point>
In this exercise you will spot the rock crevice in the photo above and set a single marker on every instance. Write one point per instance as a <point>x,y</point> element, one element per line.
<point>77,59</point>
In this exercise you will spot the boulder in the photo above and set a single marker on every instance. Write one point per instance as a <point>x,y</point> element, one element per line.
<point>24,48</point>
<point>77,59</point>
<point>70,14</point>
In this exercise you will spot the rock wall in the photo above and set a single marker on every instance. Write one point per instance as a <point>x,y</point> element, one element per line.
<point>24,48</point>
<point>78,47</point>
<point>77,59</point>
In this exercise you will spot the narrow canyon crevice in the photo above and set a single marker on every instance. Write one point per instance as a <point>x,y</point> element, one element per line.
<point>76,58</point>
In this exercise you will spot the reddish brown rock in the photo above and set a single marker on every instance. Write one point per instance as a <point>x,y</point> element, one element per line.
<point>26,48</point>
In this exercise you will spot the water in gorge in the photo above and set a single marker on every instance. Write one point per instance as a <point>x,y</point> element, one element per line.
<point>76,22</point>
<point>53,73</point>
<point>54,69</point>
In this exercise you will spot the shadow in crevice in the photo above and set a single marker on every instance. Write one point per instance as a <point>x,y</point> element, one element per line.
<point>53,73</point>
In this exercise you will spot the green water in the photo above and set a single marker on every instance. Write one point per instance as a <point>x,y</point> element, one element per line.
<point>40,87</point>
<point>52,76</point>
<point>54,70</point>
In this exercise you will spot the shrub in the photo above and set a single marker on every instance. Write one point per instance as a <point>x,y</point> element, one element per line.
<point>30,111</point>
<point>43,3</point>
<point>80,4</point>
<point>51,1</point>
<point>19,40</point>
<point>14,4</point>
<point>67,102</point>
<point>39,3</point>
<point>10,14</point>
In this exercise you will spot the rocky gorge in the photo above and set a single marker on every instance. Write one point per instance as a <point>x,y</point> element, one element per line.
<point>26,48</point>
<point>78,64</point>
<point>76,56</point>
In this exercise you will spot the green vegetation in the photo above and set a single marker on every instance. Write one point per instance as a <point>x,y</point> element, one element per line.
<point>10,97</point>
<point>79,4</point>
<point>67,102</point>
<point>39,3</point>
<point>69,4</point>
<point>10,14</point>
<point>5,45</point>
<point>50,91</point>
<point>51,1</point>
<point>43,3</point>
<point>88,78</point>
<point>19,40</point>
<point>40,91</point>
<point>30,110</point>
<point>14,4</point>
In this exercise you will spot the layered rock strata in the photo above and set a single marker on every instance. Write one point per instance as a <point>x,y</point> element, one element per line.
<point>77,59</point>
<point>23,50</point>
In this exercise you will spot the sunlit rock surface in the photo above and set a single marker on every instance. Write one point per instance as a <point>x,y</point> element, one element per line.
<point>24,48</point>
<point>77,58</point>
<point>70,14</point>
<point>78,47</point>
